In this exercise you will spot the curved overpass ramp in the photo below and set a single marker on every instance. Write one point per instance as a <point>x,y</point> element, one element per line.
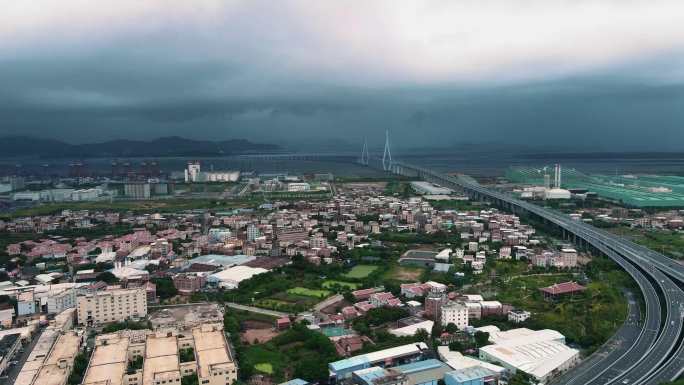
<point>653,352</point>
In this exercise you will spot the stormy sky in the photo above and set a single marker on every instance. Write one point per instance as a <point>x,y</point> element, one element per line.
<point>593,75</point>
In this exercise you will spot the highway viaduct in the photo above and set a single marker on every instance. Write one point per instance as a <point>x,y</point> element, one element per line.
<point>653,352</point>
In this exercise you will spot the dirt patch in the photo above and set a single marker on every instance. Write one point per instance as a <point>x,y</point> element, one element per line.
<point>260,335</point>
<point>406,274</point>
<point>254,324</point>
<point>268,263</point>
<point>365,185</point>
<point>331,309</point>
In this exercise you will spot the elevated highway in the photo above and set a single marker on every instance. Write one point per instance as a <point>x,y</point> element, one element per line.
<point>652,355</point>
<point>321,157</point>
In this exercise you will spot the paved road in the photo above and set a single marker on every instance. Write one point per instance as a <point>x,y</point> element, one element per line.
<point>657,359</point>
<point>178,305</point>
<point>327,302</point>
<point>663,361</point>
<point>600,365</point>
<point>253,309</point>
<point>228,304</point>
<point>13,371</point>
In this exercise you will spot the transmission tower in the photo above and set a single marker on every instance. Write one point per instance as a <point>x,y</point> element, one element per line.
<point>387,154</point>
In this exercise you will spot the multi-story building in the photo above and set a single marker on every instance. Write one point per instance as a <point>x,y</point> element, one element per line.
<point>58,302</point>
<point>212,361</point>
<point>455,313</point>
<point>161,247</point>
<point>253,233</point>
<point>318,242</point>
<point>293,235</point>
<point>518,316</point>
<point>111,306</point>
<point>433,306</point>
<point>192,172</point>
<point>215,365</point>
<point>189,283</point>
<point>567,258</point>
<point>26,303</point>
<point>137,190</point>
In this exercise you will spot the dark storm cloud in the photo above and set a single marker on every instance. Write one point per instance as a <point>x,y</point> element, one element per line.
<point>298,73</point>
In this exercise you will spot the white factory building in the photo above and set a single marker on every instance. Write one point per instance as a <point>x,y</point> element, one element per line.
<point>298,187</point>
<point>429,188</point>
<point>539,353</point>
<point>556,193</point>
<point>126,270</point>
<point>230,278</point>
<point>549,190</point>
<point>193,173</point>
<point>458,361</point>
<point>410,330</point>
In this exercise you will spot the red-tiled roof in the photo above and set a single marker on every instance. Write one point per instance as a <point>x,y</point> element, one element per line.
<point>563,288</point>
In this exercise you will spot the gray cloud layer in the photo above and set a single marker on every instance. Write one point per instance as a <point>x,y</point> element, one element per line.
<point>601,73</point>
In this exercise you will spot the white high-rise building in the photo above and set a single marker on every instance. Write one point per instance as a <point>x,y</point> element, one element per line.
<point>253,233</point>
<point>192,172</point>
<point>455,313</point>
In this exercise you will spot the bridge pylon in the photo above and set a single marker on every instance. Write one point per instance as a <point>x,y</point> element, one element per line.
<point>387,154</point>
<point>364,153</point>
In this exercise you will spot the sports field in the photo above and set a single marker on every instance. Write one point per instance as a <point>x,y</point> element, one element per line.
<point>360,271</point>
<point>308,292</point>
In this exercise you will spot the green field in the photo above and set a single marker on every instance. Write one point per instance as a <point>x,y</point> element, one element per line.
<point>399,188</point>
<point>455,205</point>
<point>360,271</point>
<point>265,360</point>
<point>327,284</point>
<point>264,367</point>
<point>670,243</point>
<point>587,318</point>
<point>308,292</point>
<point>292,301</point>
<point>297,352</point>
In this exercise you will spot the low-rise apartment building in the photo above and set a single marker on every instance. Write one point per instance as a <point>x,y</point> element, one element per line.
<point>160,352</point>
<point>112,306</point>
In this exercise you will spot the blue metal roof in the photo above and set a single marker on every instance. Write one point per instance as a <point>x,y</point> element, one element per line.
<point>375,373</point>
<point>295,381</point>
<point>348,363</point>
<point>420,366</point>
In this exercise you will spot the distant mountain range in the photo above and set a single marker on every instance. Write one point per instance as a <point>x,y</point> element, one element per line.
<point>23,146</point>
